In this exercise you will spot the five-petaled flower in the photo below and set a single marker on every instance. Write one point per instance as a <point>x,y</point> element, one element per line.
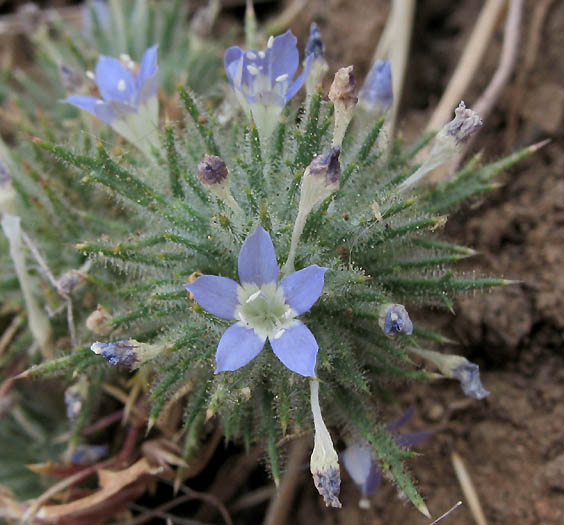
<point>263,307</point>
<point>129,100</point>
<point>262,80</point>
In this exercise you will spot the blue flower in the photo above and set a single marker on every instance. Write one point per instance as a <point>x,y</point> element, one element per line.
<point>129,100</point>
<point>263,307</point>
<point>377,94</point>
<point>365,470</point>
<point>263,80</point>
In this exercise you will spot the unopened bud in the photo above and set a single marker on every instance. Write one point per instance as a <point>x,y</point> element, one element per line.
<point>457,367</point>
<point>324,463</point>
<point>7,192</point>
<point>319,66</point>
<point>99,321</point>
<point>342,94</point>
<point>448,143</point>
<point>71,280</point>
<point>212,171</point>
<point>376,95</point>
<point>214,176</point>
<point>71,80</point>
<point>321,179</point>
<point>86,454</point>
<point>394,320</point>
<point>75,396</point>
<point>130,352</point>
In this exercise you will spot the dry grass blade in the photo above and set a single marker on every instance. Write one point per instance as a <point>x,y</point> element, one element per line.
<point>468,489</point>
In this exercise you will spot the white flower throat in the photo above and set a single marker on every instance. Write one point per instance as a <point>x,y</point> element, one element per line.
<point>264,309</point>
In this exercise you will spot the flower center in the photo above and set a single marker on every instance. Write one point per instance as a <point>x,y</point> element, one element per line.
<point>264,309</point>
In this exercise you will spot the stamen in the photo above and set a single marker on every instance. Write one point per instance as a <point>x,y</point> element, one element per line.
<point>252,70</point>
<point>281,78</point>
<point>253,296</point>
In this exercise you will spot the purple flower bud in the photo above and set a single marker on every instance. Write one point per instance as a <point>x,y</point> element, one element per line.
<point>395,320</point>
<point>5,177</point>
<point>70,79</point>
<point>377,94</point>
<point>314,44</point>
<point>75,396</point>
<point>327,165</point>
<point>212,170</point>
<point>71,280</point>
<point>84,454</point>
<point>123,353</point>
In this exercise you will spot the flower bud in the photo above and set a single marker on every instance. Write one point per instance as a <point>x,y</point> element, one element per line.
<point>75,396</point>
<point>319,65</point>
<point>128,353</point>
<point>7,192</point>
<point>212,171</point>
<point>99,321</point>
<point>321,179</point>
<point>214,176</point>
<point>342,94</point>
<point>448,143</point>
<point>71,280</point>
<point>457,367</point>
<point>394,320</point>
<point>70,79</point>
<point>376,95</point>
<point>85,454</point>
<point>324,463</point>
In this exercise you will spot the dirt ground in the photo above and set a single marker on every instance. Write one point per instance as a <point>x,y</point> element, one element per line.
<point>513,442</point>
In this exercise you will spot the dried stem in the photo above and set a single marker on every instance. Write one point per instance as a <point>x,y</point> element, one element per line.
<point>280,506</point>
<point>468,64</point>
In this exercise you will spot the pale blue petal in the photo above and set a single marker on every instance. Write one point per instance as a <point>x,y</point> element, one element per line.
<point>110,111</point>
<point>297,349</point>
<point>149,90</point>
<point>403,419</point>
<point>109,74</point>
<point>218,295</point>
<point>299,82</point>
<point>284,55</point>
<point>237,347</point>
<point>231,61</point>
<point>83,102</point>
<point>105,112</point>
<point>148,67</point>
<point>257,259</point>
<point>303,288</point>
<point>411,439</point>
<point>362,468</point>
